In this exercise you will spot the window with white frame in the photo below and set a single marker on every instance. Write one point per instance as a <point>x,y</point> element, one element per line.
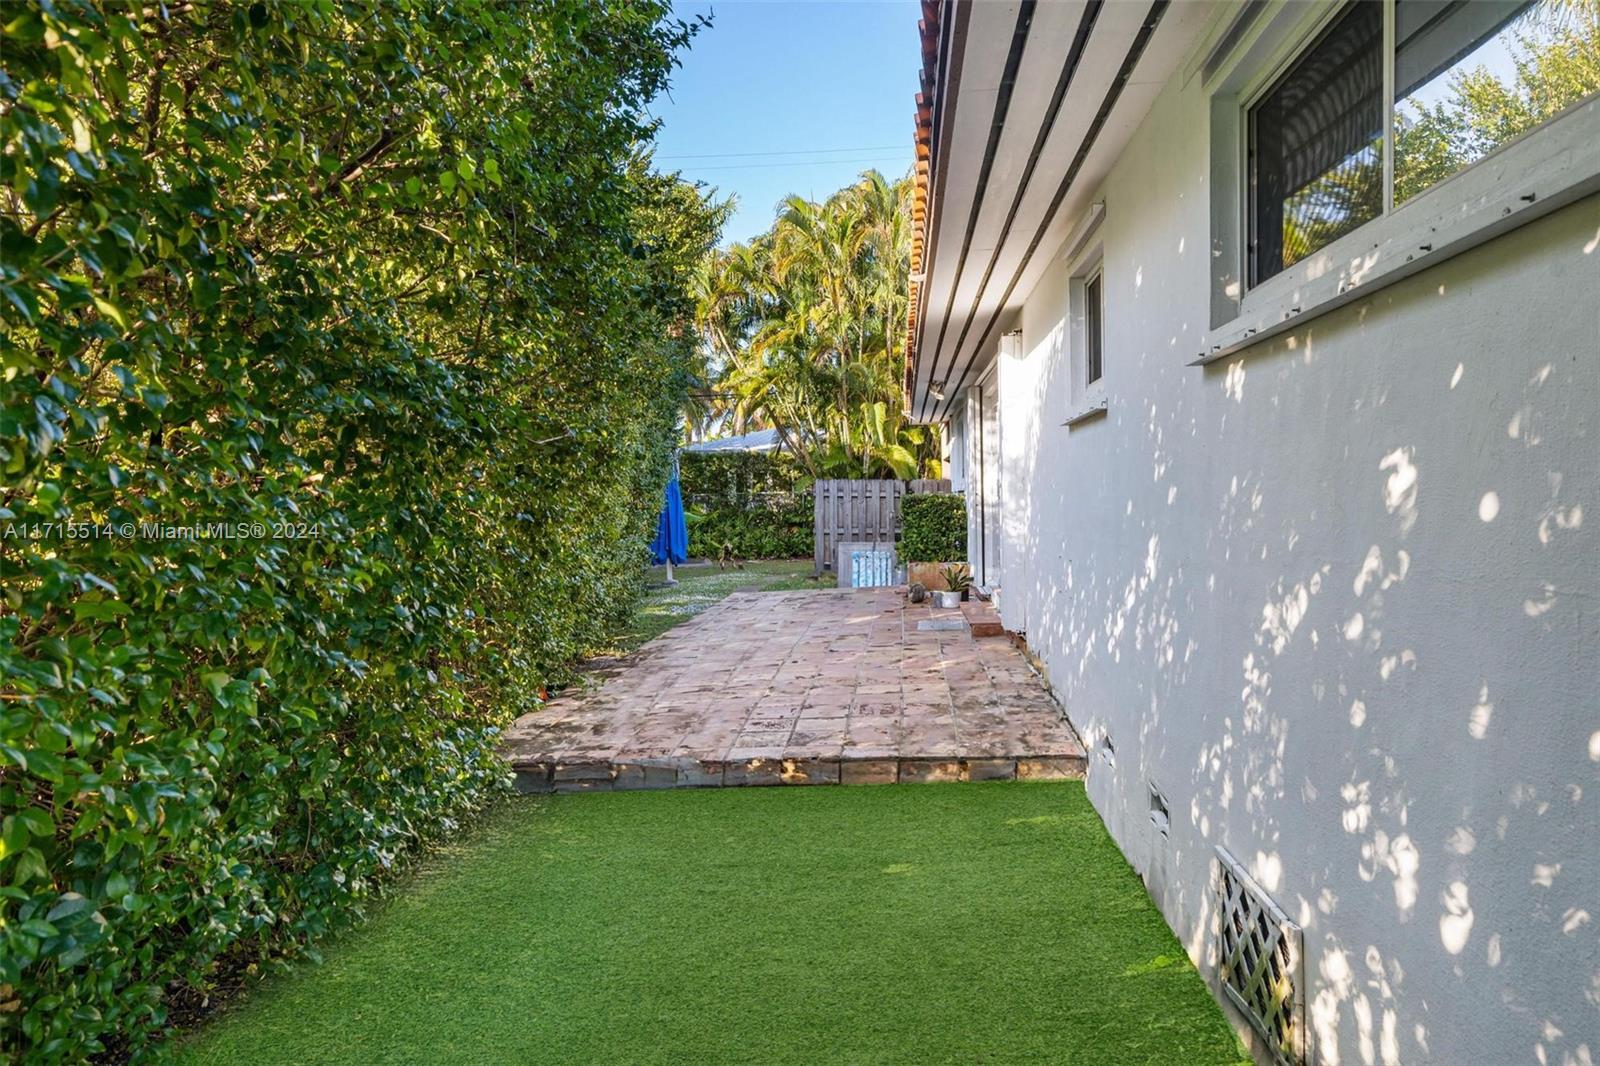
<point>1086,340</point>
<point>1390,97</point>
<point>1094,329</point>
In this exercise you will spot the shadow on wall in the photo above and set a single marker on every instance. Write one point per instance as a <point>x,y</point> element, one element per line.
<point>1339,600</point>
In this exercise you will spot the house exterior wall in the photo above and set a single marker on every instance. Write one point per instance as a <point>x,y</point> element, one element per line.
<point>987,559</point>
<point>1338,597</point>
<point>955,452</point>
<point>974,437</point>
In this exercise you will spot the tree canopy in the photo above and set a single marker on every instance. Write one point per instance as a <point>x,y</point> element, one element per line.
<point>804,330</point>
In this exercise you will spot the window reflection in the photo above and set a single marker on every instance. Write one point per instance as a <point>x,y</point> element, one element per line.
<point>1471,75</point>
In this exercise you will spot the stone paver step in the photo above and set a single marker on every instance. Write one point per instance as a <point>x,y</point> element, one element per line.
<point>982,619</point>
<point>824,687</point>
<point>696,773</point>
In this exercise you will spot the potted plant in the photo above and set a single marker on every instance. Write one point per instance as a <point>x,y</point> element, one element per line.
<point>958,580</point>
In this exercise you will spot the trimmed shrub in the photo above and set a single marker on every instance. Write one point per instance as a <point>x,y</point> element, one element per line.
<point>933,527</point>
<point>734,479</point>
<point>343,349</point>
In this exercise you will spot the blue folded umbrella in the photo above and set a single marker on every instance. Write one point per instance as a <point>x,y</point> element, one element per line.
<point>672,533</point>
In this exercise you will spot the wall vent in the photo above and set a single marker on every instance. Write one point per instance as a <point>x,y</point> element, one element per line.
<point>1160,816</point>
<point>1106,750</point>
<point>1259,952</point>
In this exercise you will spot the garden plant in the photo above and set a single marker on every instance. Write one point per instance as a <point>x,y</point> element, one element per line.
<point>756,504</point>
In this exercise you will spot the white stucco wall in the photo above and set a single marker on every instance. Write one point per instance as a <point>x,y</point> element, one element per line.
<point>954,446</point>
<point>1339,598</point>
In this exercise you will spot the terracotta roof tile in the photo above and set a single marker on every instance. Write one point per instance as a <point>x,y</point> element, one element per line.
<point>928,28</point>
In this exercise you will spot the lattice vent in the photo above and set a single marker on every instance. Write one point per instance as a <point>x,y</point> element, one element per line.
<point>1260,967</point>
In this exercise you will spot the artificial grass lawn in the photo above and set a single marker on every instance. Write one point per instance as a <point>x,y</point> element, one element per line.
<point>901,923</point>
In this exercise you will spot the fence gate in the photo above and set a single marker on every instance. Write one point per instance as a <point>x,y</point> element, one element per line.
<point>860,510</point>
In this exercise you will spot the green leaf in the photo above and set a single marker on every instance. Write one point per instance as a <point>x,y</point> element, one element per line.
<point>26,28</point>
<point>37,823</point>
<point>13,835</point>
<point>69,905</point>
<point>47,765</point>
<point>23,301</point>
<point>99,610</point>
<point>30,867</point>
<point>111,311</point>
<point>901,460</point>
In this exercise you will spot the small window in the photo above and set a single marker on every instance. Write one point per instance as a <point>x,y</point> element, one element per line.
<point>1094,330</point>
<point>1086,339</point>
<point>1316,145</point>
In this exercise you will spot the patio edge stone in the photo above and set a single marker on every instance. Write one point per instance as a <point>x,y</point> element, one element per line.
<point>988,769</point>
<point>756,771</point>
<point>702,773</point>
<point>810,772</point>
<point>869,771</point>
<point>929,771</point>
<point>1052,768</point>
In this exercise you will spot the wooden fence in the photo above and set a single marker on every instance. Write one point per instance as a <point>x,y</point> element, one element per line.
<point>860,510</point>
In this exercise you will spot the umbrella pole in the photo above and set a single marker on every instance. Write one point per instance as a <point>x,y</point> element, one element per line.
<point>668,538</point>
<point>670,579</point>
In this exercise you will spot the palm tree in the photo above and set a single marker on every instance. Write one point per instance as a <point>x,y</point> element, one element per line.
<point>807,323</point>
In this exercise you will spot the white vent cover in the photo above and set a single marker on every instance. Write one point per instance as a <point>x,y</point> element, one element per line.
<point>1259,949</point>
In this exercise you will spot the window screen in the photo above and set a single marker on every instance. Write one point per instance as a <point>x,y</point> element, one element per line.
<point>1093,329</point>
<point>1316,145</point>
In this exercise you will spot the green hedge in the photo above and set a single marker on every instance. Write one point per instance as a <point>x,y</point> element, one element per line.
<point>735,479</point>
<point>933,527</point>
<point>758,502</point>
<point>382,298</point>
<point>781,531</point>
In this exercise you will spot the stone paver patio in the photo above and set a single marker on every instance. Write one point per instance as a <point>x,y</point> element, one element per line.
<point>811,687</point>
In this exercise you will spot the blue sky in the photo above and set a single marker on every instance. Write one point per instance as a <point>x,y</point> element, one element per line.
<point>779,97</point>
